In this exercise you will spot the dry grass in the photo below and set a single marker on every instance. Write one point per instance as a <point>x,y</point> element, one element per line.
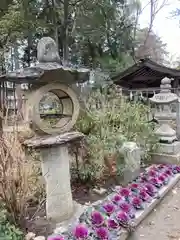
<point>19,179</point>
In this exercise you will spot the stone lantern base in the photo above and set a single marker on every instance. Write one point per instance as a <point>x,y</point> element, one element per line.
<point>168,153</point>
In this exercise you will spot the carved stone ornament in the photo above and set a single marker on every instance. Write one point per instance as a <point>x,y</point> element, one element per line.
<point>70,109</point>
<point>47,51</point>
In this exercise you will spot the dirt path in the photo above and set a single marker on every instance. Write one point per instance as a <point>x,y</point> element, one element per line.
<point>164,222</point>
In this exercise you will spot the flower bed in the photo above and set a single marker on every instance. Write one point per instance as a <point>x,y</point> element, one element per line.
<point>119,210</point>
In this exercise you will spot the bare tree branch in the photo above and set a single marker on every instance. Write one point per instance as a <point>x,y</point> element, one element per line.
<point>154,10</point>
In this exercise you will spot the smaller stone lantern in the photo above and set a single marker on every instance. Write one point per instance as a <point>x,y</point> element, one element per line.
<point>169,149</point>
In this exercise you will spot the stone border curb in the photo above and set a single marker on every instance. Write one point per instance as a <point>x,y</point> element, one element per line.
<point>141,215</point>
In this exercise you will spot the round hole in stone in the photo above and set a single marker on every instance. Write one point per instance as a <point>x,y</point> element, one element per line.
<point>67,117</point>
<point>56,109</point>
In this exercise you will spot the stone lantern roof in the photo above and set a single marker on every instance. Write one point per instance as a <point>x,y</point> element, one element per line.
<point>48,69</point>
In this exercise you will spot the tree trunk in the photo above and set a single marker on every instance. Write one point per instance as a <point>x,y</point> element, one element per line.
<point>55,23</point>
<point>65,40</point>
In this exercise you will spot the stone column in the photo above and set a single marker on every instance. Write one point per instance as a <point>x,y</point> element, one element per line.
<point>55,168</point>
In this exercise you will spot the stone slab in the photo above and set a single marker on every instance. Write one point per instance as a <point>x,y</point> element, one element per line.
<point>160,158</point>
<point>171,148</point>
<point>49,141</point>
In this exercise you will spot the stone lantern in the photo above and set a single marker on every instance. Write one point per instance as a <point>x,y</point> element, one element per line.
<point>169,146</point>
<point>52,141</point>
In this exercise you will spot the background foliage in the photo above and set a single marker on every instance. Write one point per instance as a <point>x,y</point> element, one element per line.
<point>110,120</point>
<point>97,34</point>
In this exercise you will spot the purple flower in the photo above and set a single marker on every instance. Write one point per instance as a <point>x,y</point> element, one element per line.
<point>150,189</point>
<point>143,195</point>
<point>134,186</point>
<point>125,192</point>
<point>168,172</point>
<point>153,180</point>
<point>177,169</point>
<point>81,232</point>
<point>97,218</point>
<point>55,238</point>
<point>165,175</point>
<point>122,217</point>
<point>125,207</point>
<point>109,208</point>
<point>152,173</point>
<point>162,178</point>
<point>102,233</point>
<point>116,198</point>
<point>136,202</point>
<point>112,224</point>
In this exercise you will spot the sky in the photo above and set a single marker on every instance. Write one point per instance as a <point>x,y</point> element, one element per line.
<point>165,26</point>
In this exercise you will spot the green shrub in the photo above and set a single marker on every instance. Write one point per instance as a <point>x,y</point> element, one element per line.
<point>110,120</point>
<point>7,230</point>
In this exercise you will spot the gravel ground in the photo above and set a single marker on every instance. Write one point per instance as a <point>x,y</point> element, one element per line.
<point>164,222</point>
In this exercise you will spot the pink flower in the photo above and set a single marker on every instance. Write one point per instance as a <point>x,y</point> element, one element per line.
<point>112,224</point>
<point>122,217</point>
<point>136,202</point>
<point>97,218</point>
<point>165,175</point>
<point>81,232</point>
<point>143,195</point>
<point>168,172</point>
<point>116,198</point>
<point>134,186</point>
<point>150,189</point>
<point>102,233</point>
<point>125,207</point>
<point>125,192</point>
<point>162,178</point>
<point>154,168</point>
<point>109,208</point>
<point>177,168</point>
<point>152,173</point>
<point>153,180</point>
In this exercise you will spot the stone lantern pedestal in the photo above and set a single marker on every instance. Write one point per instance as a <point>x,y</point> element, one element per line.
<point>169,146</point>
<point>55,159</point>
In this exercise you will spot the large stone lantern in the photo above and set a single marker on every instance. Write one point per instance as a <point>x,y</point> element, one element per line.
<point>52,140</point>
